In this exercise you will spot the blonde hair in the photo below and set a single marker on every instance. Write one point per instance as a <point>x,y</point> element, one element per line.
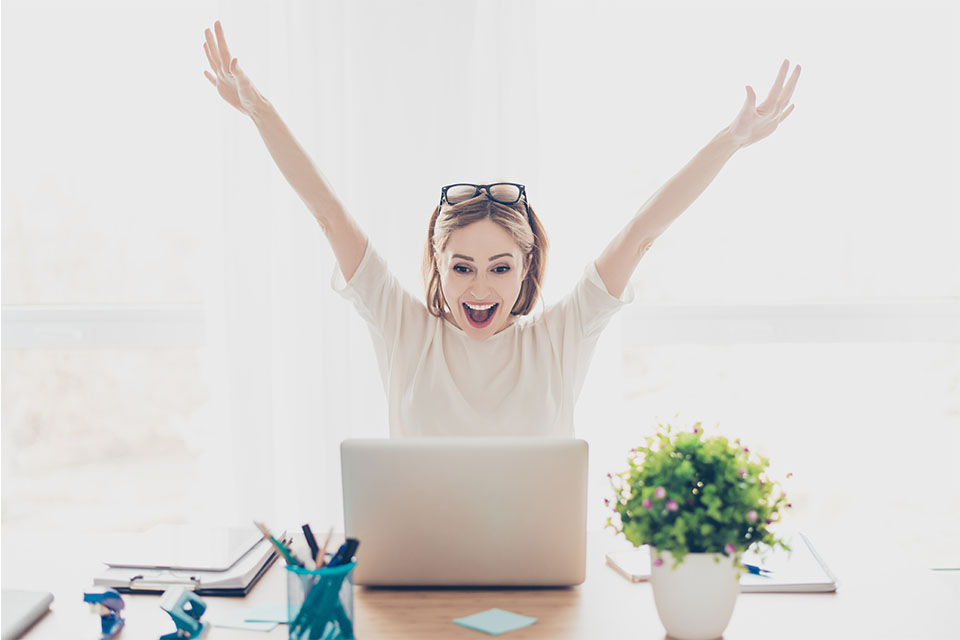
<point>528,233</point>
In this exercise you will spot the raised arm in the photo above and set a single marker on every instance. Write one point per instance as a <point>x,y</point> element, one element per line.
<point>346,238</point>
<point>618,261</point>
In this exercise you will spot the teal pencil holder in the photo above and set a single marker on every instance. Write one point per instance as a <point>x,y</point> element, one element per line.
<point>320,602</point>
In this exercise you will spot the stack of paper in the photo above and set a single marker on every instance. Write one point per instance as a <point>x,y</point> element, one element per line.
<point>799,570</point>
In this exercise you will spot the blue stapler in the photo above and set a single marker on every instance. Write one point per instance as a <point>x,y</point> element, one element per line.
<point>185,608</point>
<point>108,604</point>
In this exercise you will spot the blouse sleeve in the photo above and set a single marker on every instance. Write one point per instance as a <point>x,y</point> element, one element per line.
<point>577,320</point>
<point>390,311</point>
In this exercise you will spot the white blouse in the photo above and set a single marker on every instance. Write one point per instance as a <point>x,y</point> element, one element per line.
<point>521,381</point>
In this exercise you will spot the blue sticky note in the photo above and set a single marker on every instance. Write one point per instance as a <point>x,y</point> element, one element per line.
<point>495,621</point>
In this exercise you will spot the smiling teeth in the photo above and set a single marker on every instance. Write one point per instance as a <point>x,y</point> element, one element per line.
<point>479,307</point>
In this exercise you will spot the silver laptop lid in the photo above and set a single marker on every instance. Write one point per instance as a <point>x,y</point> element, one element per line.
<point>21,609</point>
<point>467,511</point>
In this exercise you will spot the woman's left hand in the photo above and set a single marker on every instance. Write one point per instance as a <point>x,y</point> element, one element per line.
<point>755,123</point>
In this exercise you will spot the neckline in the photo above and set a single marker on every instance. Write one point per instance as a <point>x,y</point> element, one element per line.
<point>511,328</point>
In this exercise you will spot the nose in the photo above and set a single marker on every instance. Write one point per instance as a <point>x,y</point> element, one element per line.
<point>480,290</point>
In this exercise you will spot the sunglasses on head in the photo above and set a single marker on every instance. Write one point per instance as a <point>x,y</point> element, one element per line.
<point>502,192</point>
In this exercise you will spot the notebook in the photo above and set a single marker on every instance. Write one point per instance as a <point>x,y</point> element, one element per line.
<point>20,610</point>
<point>236,580</point>
<point>467,511</point>
<point>801,570</point>
<point>168,546</point>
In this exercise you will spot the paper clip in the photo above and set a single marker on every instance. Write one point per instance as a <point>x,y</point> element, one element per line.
<point>185,608</point>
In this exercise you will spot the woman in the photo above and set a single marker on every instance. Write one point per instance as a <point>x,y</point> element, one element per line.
<point>472,362</point>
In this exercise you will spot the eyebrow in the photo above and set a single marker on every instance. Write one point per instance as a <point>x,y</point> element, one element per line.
<point>492,258</point>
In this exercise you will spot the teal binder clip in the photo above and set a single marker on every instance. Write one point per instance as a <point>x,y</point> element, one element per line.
<point>185,608</point>
<point>108,604</point>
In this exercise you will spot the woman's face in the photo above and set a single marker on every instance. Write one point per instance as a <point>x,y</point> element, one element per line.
<point>481,270</point>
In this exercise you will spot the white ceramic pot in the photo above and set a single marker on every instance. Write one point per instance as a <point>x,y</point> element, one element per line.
<point>695,601</point>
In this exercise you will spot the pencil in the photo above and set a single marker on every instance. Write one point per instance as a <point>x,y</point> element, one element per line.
<point>323,551</point>
<point>286,553</point>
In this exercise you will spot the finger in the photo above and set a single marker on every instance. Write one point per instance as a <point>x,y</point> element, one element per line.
<point>210,78</point>
<point>224,51</point>
<point>787,92</point>
<point>786,113</point>
<point>751,102</point>
<point>213,52</point>
<point>206,50</point>
<point>774,95</point>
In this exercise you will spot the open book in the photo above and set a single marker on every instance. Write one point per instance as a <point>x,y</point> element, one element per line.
<point>797,571</point>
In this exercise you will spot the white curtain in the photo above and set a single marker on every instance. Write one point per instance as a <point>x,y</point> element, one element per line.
<point>391,100</point>
<point>593,107</point>
<point>130,187</point>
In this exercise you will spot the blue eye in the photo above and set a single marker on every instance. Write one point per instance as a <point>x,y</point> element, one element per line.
<point>465,269</point>
<point>502,268</point>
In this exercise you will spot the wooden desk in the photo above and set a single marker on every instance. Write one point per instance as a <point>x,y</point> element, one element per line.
<point>871,602</point>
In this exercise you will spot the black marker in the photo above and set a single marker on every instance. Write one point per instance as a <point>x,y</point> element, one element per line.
<point>344,553</point>
<point>311,542</point>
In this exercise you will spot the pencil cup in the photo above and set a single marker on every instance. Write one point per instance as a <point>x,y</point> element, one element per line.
<point>320,602</point>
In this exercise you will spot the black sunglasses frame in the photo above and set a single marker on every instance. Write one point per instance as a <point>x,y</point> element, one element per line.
<point>486,187</point>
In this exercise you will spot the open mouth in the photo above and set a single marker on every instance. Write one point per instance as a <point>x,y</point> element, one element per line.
<point>481,315</point>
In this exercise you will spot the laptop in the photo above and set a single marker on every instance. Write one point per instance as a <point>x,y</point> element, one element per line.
<point>466,511</point>
<point>21,609</point>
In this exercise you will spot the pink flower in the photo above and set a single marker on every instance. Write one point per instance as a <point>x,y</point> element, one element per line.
<point>606,502</point>
<point>790,474</point>
<point>746,449</point>
<point>671,505</point>
<point>769,521</point>
<point>647,504</point>
<point>660,493</point>
<point>742,471</point>
<point>729,548</point>
<point>658,562</point>
<point>752,515</point>
<point>696,430</point>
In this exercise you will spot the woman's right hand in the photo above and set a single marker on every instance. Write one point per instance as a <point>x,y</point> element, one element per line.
<point>231,83</point>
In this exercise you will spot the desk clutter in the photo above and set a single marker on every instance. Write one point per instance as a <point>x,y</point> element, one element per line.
<point>319,589</point>
<point>800,570</point>
<point>215,561</point>
<point>108,604</point>
<point>185,608</point>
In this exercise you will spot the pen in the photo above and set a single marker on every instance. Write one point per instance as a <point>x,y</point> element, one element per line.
<point>754,569</point>
<point>311,542</point>
<point>345,552</point>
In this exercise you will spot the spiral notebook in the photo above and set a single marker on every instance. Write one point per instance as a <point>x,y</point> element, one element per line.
<point>801,570</point>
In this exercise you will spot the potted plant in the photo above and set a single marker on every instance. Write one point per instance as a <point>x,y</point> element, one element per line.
<point>699,502</point>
